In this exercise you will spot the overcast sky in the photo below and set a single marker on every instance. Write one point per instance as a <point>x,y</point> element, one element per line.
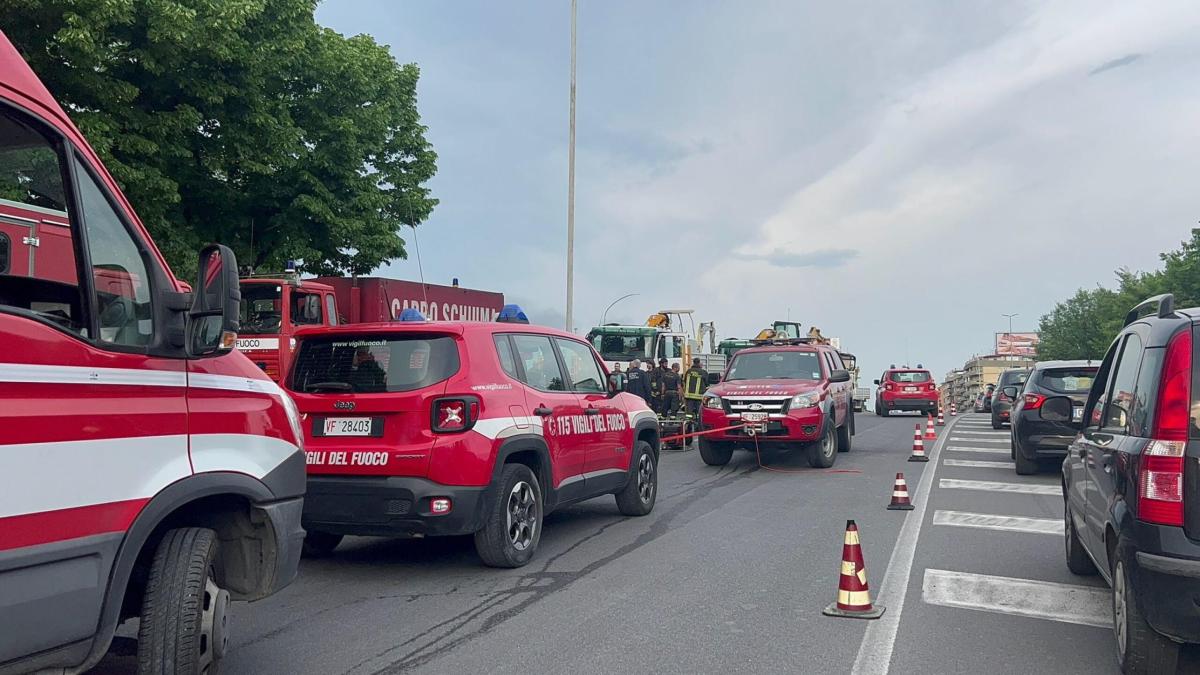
<point>897,176</point>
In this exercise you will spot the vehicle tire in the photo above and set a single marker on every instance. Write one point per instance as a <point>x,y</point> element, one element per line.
<point>1025,467</point>
<point>879,409</point>
<point>184,624</point>
<point>1078,560</point>
<point>845,434</point>
<point>319,544</point>
<point>1140,649</point>
<point>715,453</point>
<point>823,452</point>
<point>996,423</point>
<point>640,491</point>
<point>513,528</point>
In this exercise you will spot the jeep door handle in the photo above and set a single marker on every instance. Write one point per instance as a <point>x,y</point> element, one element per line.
<point>543,411</point>
<point>591,411</point>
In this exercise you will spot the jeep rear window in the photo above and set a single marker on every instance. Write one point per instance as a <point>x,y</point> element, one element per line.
<point>910,376</point>
<point>370,364</point>
<point>1068,380</point>
<point>775,366</point>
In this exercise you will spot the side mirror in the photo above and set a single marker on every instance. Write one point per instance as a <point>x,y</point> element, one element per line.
<point>877,383</point>
<point>1010,392</point>
<point>616,383</point>
<point>714,378</point>
<point>839,375</point>
<point>213,319</point>
<point>1057,409</point>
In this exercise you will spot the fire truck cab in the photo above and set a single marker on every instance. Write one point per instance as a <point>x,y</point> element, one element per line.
<point>273,308</point>
<point>149,469</point>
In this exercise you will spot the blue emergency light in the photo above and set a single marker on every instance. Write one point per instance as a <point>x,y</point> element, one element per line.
<point>512,314</point>
<point>411,314</point>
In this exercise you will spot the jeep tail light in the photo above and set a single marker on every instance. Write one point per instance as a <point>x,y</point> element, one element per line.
<point>440,506</point>
<point>887,386</point>
<point>1160,481</point>
<point>454,415</point>
<point>1033,401</point>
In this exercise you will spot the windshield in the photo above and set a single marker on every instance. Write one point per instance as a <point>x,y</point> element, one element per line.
<point>261,309</point>
<point>911,376</point>
<point>622,347</point>
<point>372,365</point>
<point>775,366</point>
<point>1068,380</point>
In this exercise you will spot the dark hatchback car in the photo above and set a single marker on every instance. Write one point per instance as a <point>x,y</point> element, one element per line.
<point>1002,403</point>
<point>1034,436</point>
<point>1132,484</point>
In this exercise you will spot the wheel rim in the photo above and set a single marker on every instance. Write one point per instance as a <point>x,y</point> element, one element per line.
<point>214,624</point>
<point>1119,608</point>
<point>645,478</point>
<point>522,515</point>
<point>827,445</point>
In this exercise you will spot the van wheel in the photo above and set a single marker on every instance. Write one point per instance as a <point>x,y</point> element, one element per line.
<point>514,525</point>
<point>319,544</point>
<point>822,454</point>
<point>715,453</point>
<point>640,491</point>
<point>184,625</point>
<point>845,434</point>
<point>1140,649</point>
<point>1078,561</point>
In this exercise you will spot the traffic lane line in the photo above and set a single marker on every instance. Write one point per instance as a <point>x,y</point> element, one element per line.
<point>1067,603</point>
<point>969,432</point>
<point>996,486</point>
<point>978,464</point>
<point>988,451</point>
<point>989,521</point>
<point>996,441</point>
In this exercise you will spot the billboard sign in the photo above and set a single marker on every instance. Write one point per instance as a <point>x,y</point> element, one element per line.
<point>1016,344</point>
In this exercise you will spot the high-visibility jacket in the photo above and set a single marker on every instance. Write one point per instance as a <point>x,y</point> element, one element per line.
<point>694,383</point>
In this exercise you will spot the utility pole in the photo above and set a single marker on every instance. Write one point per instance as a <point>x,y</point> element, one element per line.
<point>1010,318</point>
<point>571,187</point>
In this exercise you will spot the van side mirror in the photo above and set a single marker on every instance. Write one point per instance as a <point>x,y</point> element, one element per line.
<point>839,375</point>
<point>1057,409</point>
<point>216,300</point>
<point>616,383</point>
<point>714,378</point>
<point>1010,392</point>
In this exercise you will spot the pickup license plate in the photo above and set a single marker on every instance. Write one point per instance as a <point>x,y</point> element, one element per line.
<point>1077,414</point>
<point>346,426</point>
<point>754,417</point>
<point>910,389</point>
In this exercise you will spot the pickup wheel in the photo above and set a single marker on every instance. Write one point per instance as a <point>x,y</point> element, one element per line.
<point>823,453</point>
<point>640,491</point>
<point>1078,561</point>
<point>319,544</point>
<point>715,453</point>
<point>513,528</point>
<point>1140,649</point>
<point>845,433</point>
<point>184,624</point>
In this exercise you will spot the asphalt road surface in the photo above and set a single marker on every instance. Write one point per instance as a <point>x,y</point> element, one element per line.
<point>730,572</point>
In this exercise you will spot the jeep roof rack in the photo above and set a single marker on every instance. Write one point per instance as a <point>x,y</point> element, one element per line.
<point>1161,305</point>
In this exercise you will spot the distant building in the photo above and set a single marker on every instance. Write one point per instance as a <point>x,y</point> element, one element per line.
<point>962,386</point>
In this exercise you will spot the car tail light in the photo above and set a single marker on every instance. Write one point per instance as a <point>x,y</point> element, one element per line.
<point>887,386</point>
<point>455,414</point>
<point>1160,483</point>
<point>1033,401</point>
<point>1004,398</point>
<point>440,506</point>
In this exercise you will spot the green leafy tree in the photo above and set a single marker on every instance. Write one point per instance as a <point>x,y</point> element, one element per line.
<point>240,121</point>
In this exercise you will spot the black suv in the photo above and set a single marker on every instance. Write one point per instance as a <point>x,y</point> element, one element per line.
<point>1036,436</point>
<point>1002,402</point>
<point>1131,483</point>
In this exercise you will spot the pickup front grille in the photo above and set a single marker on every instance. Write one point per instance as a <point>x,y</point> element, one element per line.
<point>771,405</point>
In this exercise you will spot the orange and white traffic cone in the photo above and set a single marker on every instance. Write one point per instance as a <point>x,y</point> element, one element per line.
<point>918,451</point>
<point>854,597</point>
<point>930,432</point>
<point>900,500</point>
<point>941,420</point>
<point>953,410</point>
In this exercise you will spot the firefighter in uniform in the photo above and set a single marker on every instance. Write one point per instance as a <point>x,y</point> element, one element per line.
<point>635,381</point>
<point>695,381</point>
<point>671,383</point>
<point>656,385</point>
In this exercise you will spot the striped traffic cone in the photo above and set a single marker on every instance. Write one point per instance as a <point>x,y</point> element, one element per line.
<point>941,420</point>
<point>918,452</point>
<point>854,597</point>
<point>930,432</point>
<point>900,500</point>
<point>953,410</point>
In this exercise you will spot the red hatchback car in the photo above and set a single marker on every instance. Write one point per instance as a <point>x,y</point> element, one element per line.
<point>906,389</point>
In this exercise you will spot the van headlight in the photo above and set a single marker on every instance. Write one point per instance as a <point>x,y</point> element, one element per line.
<point>713,402</point>
<point>809,400</point>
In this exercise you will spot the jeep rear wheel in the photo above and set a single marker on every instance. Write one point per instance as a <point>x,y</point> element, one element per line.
<point>184,625</point>
<point>715,453</point>
<point>640,491</point>
<point>513,528</point>
<point>823,453</point>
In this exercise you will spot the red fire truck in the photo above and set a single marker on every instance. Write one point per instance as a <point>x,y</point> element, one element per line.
<point>275,307</point>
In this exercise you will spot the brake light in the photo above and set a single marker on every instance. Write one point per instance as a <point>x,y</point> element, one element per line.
<point>1160,482</point>
<point>932,386</point>
<point>1004,398</point>
<point>454,415</point>
<point>1173,415</point>
<point>1033,401</point>
<point>887,386</point>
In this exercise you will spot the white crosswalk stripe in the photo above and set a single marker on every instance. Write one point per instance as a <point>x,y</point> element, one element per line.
<point>982,433</point>
<point>988,521</point>
<point>991,451</point>
<point>960,439</point>
<point>1068,603</point>
<point>994,486</point>
<point>978,464</point>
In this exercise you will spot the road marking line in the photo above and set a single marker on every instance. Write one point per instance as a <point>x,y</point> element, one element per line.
<point>978,464</point>
<point>1067,603</point>
<point>993,486</point>
<point>879,640</point>
<point>983,433</point>
<point>990,451</point>
<point>1003,441</point>
<point>987,521</point>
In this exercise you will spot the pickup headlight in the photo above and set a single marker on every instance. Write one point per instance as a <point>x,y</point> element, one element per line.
<point>809,400</point>
<point>713,402</point>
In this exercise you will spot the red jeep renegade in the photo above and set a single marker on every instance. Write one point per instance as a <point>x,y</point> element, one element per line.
<point>448,428</point>
<point>788,392</point>
<point>906,389</point>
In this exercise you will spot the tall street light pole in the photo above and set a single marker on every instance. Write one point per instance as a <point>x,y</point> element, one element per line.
<point>1010,318</point>
<point>571,187</point>
<point>614,302</point>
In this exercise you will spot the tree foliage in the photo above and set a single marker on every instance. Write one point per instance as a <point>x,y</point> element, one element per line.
<point>240,121</point>
<point>1083,326</point>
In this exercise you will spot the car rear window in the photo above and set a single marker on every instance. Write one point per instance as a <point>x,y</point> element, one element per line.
<point>1068,380</point>
<point>1014,377</point>
<point>374,365</point>
<point>910,376</point>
